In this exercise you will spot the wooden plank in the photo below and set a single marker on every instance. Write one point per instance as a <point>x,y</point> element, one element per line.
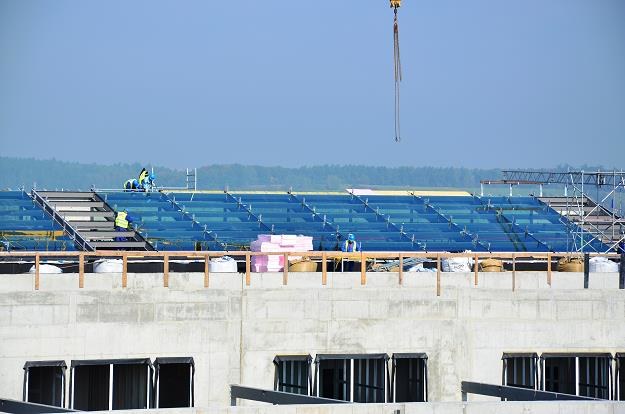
<point>166,270</point>
<point>247,269</point>
<point>477,268</point>
<point>549,269</point>
<point>401,269</point>
<point>285,272</point>
<point>438,275</point>
<point>125,270</point>
<point>363,269</point>
<point>81,271</point>
<point>324,269</point>
<point>206,269</point>
<point>37,272</point>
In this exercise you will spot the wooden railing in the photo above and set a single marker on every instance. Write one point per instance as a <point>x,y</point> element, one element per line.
<point>322,256</point>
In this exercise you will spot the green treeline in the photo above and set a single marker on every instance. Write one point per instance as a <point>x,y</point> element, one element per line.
<point>53,174</point>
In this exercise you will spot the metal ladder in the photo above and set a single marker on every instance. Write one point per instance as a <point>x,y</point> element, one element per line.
<point>88,220</point>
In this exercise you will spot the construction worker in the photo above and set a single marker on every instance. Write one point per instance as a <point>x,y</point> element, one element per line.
<point>350,246</point>
<point>131,185</point>
<point>122,223</point>
<point>143,175</point>
<point>149,183</point>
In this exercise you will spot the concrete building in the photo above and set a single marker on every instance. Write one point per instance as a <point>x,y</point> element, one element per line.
<point>381,341</point>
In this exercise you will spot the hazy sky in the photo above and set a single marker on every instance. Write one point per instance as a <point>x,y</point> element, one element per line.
<point>487,83</point>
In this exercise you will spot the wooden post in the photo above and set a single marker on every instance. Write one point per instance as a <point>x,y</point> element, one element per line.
<point>81,271</point>
<point>285,272</point>
<point>477,268</point>
<point>37,272</point>
<point>513,272</point>
<point>549,269</point>
<point>206,263</point>
<point>363,269</point>
<point>438,274</point>
<point>324,268</point>
<point>125,270</point>
<point>401,269</point>
<point>247,269</point>
<point>166,270</point>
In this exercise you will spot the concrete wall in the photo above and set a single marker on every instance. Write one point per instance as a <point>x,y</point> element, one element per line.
<point>233,331</point>
<point>540,407</point>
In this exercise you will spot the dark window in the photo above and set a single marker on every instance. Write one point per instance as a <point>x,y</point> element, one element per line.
<point>585,374</point>
<point>410,377</point>
<point>594,377</point>
<point>44,382</point>
<point>91,387</point>
<point>520,370</point>
<point>369,380</point>
<point>292,374</point>
<point>365,374</point>
<point>620,375</point>
<point>94,389</point>
<point>335,379</point>
<point>174,382</point>
<point>560,374</point>
<point>130,386</point>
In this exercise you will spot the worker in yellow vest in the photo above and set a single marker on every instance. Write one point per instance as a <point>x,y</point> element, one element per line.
<point>122,223</point>
<point>142,176</point>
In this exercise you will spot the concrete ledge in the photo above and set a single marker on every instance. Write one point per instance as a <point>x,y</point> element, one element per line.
<point>510,407</point>
<point>296,280</point>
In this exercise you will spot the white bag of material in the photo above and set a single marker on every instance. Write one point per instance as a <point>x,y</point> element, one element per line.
<point>46,268</point>
<point>419,268</point>
<point>602,265</point>
<point>225,264</point>
<point>108,266</point>
<point>456,264</point>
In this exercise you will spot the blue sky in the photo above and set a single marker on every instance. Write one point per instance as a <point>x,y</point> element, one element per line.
<point>487,83</point>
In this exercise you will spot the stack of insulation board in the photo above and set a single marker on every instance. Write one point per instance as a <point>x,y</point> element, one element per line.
<point>277,243</point>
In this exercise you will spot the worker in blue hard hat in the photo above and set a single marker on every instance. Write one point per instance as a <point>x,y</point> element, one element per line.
<point>350,246</point>
<point>149,183</point>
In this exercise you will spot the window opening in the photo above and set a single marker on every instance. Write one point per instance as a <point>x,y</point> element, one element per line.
<point>520,370</point>
<point>44,382</point>
<point>174,382</point>
<point>409,377</point>
<point>593,377</point>
<point>619,389</point>
<point>352,377</point>
<point>111,384</point>
<point>587,375</point>
<point>91,387</point>
<point>130,386</point>
<point>369,380</point>
<point>292,374</point>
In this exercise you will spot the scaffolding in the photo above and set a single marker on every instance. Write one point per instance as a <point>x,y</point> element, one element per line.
<point>589,220</point>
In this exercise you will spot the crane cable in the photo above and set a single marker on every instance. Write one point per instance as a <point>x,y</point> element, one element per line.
<point>397,63</point>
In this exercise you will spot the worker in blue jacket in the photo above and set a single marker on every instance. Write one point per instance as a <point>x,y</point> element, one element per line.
<point>148,183</point>
<point>131,185</point>
<point>350,246</point>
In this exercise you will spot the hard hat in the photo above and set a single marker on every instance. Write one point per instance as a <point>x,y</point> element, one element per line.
<point>152,177</point>
<point>351,237</point>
